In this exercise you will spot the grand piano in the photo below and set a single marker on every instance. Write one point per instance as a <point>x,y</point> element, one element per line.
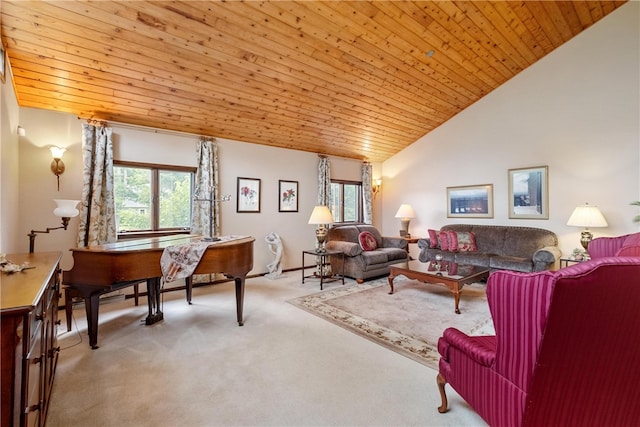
<point>105,268</point>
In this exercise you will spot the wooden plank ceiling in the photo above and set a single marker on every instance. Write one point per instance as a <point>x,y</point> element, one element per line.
<point>353,79</point>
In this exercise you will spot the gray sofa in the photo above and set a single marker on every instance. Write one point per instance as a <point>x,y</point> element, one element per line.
<point>360,264</point>
<point>525,249</point>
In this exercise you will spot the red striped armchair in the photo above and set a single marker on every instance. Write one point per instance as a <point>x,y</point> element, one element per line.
<point>565,350</point>
<point>613,246</point>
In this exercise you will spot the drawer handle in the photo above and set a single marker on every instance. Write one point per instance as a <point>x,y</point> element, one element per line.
<point>53,351</point>
<point>38,359</point>
<point>35,407</point>
<point>58,322</point>
<point>39,317</point>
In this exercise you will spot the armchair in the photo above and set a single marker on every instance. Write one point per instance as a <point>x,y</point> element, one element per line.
<point>612,246</point>
<point>564,352</point>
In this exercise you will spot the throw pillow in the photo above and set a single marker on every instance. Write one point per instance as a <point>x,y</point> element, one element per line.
<point>433,238</point>
<point>467,241</point>
<point>367,241</point>
<point>453,241</point>
<point>444,240</point>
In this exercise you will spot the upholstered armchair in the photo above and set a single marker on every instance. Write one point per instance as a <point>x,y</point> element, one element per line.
<point>612,246</point>
<point>565,350</point>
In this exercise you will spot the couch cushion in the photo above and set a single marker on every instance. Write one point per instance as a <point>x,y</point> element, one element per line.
<point>374,257</point>
<point>473,258</point>
<point>394,254</point>
<point>367,241</point>
<point>511,263</point>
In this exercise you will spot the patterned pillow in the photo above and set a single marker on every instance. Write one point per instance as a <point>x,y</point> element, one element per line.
<point>367,241</point>
<point>467,241</point>
<point>433,238</point>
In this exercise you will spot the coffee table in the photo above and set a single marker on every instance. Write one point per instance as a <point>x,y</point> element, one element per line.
<point>453,276</point>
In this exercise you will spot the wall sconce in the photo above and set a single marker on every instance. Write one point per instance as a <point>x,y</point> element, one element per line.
<point>65,209</point>
<point>57,167</point>
<point>405,213</point>
<point>375,187</point>
<point>587,216</point>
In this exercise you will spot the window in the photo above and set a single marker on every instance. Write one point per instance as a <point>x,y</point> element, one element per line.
<point>152,197</point>
<point>346,201</point>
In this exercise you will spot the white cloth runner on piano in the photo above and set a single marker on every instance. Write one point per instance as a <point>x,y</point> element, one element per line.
<point>180,261</point>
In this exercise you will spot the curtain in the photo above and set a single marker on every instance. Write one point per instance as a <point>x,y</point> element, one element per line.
<point>367,215</point>
<point>205,214</point>
<point>97,210</point>
<point>324,182</point>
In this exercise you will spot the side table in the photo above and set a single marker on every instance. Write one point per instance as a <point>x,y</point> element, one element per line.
<point>565,262</point>
<point>324,259</point>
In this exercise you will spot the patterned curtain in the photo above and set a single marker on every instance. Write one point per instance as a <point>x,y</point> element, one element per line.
<point>205,215</point>
<point>97,210</point>
<point>324,182</point>
<point>367,195</point>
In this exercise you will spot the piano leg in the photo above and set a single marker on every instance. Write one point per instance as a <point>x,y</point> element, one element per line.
<point>153,299</point>
<point>239,298</point>
<point>189,286</point>
<point>91,297</point>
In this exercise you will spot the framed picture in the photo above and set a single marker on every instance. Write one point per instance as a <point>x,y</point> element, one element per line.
<point>248,195</point>
<point>287,196</point>
<point>472,201</point>
<point>529,193</point>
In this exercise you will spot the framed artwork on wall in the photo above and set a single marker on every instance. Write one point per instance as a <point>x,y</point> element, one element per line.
<point>248,195</point>
<point>529,193</point>
<point>287,196</point>
<point>3,63</point>
<point>471,201</point>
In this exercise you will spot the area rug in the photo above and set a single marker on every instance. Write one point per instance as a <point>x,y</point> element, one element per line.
<point>409,321</point>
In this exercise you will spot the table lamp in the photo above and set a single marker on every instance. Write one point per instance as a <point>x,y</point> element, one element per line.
<point>587,216</point>
<point>321,216</point>
<point>405,213</point>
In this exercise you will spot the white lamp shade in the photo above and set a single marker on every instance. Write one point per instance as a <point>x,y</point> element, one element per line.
<point>405,211</point>
<point>57,152</point>
<point>321,215</point>
<point>587,216</point>
<point>66,208</point>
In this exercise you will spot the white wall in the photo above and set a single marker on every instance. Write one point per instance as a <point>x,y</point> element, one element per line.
<point>576,111</point>
<point>238,159</point>
<point>8,166</point>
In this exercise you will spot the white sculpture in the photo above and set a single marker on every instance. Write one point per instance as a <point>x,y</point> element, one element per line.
<point>275,246</point>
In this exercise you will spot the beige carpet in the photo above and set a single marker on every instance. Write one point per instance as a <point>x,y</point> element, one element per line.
<point>410,321</point>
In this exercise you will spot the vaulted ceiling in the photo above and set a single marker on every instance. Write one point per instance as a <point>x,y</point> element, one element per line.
<point>355,79</point>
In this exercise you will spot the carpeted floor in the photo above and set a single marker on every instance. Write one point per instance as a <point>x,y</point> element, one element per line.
<point>284,367</point>
<point>410,321</point>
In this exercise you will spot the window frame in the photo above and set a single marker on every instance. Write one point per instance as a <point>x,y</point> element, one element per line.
<point>358,184</point>
<point>155,169</point>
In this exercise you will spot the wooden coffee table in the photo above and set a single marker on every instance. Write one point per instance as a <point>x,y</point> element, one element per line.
<point>453,276</point>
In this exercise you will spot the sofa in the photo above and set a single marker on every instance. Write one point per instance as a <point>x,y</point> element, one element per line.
<point>564,352</point>
<point>496,247</point>
<point>364,259</point>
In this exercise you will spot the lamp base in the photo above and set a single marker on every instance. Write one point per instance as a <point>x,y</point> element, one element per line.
<point>321,235</point>
<point>585,238</point>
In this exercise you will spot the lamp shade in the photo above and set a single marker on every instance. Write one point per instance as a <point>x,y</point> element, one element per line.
<point>587,216</point>
<point>405,211</point>
<point>57,152</point>
<point>321,215</point>
<point>66,208</point>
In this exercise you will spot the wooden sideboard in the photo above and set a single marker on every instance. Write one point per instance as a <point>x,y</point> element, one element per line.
<point>29,319</point>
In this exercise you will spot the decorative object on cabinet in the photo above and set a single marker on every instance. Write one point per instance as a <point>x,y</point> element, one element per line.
<point>321,216</point>
<point>529,193</point>
<point>29,317</point>
<point>287,196</point>
<point>405,213</point>
<point>471,201</point>
<point>587,216</point>
<point>248,195</point>
<point>66,209</point>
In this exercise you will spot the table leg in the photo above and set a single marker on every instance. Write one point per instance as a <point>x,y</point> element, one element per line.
<point>390,279</point>
<point>456,296</point>
<point>240,298</point>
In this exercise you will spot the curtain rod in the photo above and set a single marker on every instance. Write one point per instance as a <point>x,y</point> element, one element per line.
<point>148,128</point>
